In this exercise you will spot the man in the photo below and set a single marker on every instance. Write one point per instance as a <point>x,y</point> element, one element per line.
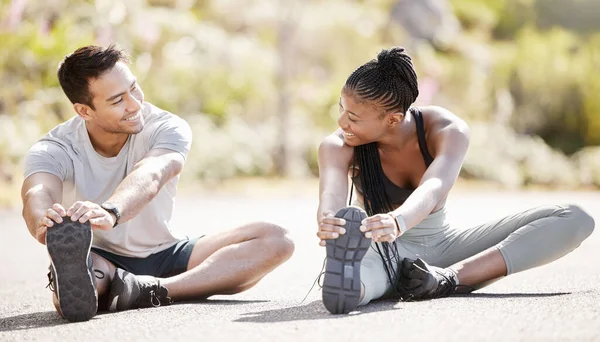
<point>99,192</point>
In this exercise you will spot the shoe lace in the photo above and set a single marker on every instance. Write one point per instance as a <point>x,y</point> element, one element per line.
<point>317,281</point>
<point>51,281</point>
<point>154,300</point>
<point>446,286</point>
<point>99,274</point>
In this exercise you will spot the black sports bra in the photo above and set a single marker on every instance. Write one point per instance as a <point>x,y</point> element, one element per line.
<point>395,193</point>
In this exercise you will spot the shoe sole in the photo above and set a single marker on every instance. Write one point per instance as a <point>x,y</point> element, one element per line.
<point>69,246</point>
<point>341,285</point>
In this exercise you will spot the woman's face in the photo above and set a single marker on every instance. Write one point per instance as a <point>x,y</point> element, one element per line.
<point>361,121</point>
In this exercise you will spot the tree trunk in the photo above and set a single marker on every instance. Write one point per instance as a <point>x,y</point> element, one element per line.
<point>285,47</point>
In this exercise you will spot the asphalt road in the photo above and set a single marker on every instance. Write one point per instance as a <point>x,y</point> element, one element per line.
<point>556,302</point>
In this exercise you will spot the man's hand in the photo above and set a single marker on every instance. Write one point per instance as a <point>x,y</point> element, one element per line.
<point>380,228</point>
<point>330,227</point>
<point>53,215</point>
<point>93,212</point>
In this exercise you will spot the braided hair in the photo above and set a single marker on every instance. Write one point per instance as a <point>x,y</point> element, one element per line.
<point>389,82</point>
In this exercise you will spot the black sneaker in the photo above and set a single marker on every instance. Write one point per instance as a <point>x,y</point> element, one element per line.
<point>418,280</point>
<point>341,285</point>
<point>71,276</point>
<point>129,291</point>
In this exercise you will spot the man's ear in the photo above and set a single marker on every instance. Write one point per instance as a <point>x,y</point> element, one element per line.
<point>395,118</point>
<point>83,110</point>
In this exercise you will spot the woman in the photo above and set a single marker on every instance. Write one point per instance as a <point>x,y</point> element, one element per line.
<point>403,161</point>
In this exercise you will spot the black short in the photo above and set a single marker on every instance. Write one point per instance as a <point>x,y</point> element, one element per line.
<point>170,262</point>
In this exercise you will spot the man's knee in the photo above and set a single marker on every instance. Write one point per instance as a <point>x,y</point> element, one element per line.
<point>276,240</point>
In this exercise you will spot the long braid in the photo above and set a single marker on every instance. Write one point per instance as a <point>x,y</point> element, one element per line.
<point>372,176</point>
<point>390,81</point>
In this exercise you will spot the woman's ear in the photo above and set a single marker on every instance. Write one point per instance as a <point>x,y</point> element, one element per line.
<point>395,118</point>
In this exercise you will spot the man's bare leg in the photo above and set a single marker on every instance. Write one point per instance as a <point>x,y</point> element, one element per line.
<point>225,263</point>
<point>231,262</point>
<point>103,271</point>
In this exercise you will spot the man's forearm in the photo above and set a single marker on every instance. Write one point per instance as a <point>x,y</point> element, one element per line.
<point>139,188</point>
<point>35,205</point>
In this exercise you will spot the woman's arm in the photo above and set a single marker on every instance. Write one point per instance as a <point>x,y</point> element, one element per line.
<point>450,143</point>
<point>334,160</point>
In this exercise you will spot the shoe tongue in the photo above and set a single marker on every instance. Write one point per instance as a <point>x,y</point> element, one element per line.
<point>147,283</point>
<point>150,287</point>
<point>162,291</point>
<point>450,276</point>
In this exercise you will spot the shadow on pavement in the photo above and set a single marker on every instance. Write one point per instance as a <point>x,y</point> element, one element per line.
<point>222,302</point>
<point>316,311</point>
<point>513,295</point>
<point>51,318</point>
<point>310,311</point>
<point>31,321</point>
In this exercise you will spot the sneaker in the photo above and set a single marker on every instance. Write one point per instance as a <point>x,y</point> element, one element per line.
<point>341,284</point>
<point>418,280</point>
<point>129,291</point>
<point>71,276</point>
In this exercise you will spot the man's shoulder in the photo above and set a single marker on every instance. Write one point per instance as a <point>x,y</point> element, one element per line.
<point>154,113</point>
<point>55,152</point>
<point>62,136</point>
<point>157,117</point>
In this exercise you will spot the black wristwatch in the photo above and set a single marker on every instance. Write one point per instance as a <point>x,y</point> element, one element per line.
<point>112,209</point>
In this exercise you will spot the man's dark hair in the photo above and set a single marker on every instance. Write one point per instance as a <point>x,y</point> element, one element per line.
<point>390,83</point>
<point>84,64</point>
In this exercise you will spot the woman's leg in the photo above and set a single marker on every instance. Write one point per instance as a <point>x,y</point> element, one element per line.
<point>537,237</point>
<point>374,278</point>
<point>512,244</point>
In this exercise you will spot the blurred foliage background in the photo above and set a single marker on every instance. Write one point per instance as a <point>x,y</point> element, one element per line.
<point>259,80</point>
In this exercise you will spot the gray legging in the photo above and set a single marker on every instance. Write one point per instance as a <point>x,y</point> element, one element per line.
<point>528,239</point>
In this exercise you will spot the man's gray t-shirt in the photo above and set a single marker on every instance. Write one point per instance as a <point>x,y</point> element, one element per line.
<point>66,152</point>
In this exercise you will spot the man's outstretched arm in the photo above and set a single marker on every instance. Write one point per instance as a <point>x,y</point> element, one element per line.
<point>138,188</point>
<point>42,194</point>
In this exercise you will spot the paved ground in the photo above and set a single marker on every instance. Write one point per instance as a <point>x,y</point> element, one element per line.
<point>557,302</point>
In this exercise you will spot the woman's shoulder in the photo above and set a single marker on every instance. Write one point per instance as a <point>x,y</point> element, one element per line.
<point>441,119</point>
<point>333,145</point>
<point>334,140</point>
<point>444,128</point>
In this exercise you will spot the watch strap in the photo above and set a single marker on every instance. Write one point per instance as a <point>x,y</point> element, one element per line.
<point>112,209</point>
<point>400,224</point>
